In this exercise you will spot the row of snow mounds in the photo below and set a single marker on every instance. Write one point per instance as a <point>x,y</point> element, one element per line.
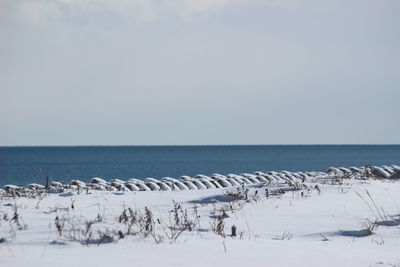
<point>197,182</point>
<point>384,172</point>
<point>201,182</point>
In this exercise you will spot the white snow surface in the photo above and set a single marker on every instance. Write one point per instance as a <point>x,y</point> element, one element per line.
<point>318,228</point>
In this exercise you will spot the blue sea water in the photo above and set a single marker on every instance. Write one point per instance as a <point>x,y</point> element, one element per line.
<point>22,165</point>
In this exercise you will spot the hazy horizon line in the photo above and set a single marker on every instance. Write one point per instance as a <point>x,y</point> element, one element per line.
<point>202,145</point>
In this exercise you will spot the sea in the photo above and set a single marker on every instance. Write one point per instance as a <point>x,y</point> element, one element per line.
<point>24,165</point>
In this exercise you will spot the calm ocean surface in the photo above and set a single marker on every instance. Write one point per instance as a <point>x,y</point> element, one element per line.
<point>21,165</point>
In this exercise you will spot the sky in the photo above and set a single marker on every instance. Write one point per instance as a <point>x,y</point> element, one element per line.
<point>196,72</point>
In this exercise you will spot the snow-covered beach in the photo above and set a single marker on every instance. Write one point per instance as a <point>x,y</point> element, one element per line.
<point>327,219</point>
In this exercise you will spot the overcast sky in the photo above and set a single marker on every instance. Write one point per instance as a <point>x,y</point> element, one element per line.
<point>176,72</point>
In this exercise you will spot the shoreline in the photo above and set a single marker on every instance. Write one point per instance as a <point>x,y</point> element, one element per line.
<point>201,181</point>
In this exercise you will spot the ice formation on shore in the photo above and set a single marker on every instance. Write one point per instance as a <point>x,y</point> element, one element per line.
<point>201,181</point>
